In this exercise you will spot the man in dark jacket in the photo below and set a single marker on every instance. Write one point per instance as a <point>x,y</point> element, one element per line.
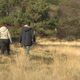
<point>26,38</point>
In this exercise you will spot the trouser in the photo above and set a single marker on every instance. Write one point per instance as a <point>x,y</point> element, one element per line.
<point>27,49</point>
<point>5,46</point>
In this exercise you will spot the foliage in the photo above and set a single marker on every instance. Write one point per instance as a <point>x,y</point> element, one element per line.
<point>44,16</point>
<point>69,19</point>
<point>20,12</point>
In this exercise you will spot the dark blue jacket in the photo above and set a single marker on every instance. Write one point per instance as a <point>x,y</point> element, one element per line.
<point>26,36</point>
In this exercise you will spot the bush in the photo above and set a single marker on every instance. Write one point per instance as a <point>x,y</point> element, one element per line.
<point>20,12</point>
<point>69,25</point>
<point>15,33</point>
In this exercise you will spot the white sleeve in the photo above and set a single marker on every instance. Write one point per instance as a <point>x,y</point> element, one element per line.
<point>9,37</point>
<point>0,33</point>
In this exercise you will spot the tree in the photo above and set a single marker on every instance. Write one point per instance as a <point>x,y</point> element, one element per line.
<point>35,12</point>
<point>69,25</point>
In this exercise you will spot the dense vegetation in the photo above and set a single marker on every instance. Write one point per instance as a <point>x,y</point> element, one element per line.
<point>59,18</point>
<point>69,21</point>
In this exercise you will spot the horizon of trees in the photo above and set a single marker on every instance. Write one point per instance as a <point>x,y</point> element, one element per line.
<point>59,18</point>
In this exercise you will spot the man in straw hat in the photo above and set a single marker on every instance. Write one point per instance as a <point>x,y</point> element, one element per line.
<point>26,38</point>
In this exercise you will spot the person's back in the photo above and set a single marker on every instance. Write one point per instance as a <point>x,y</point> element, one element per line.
<point>4,34</point>
<point>5,39</point>
<point>26,37</point>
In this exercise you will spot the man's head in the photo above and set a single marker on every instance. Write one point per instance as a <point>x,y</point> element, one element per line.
<point>26,25</point>
<point>3,28</point>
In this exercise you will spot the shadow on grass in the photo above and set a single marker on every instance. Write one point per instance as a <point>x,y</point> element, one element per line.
<point>57,45</point>
<point>15,39</point>
<point>46,60</point>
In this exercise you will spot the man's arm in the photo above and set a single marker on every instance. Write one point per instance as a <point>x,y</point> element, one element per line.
<point>34,36</point>
<point>20,38</point>
<point>9,37</point>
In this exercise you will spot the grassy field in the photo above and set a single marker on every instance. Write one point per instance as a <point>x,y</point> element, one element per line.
<point>48,60</point>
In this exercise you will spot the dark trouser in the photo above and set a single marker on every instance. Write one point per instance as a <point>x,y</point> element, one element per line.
<point>5,46</point>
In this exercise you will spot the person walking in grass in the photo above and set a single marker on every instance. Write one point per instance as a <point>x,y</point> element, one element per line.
<point>27,38</point>
<point>5,40</point>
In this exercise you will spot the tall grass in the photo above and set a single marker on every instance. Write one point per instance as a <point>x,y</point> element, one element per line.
<point>48,60</point>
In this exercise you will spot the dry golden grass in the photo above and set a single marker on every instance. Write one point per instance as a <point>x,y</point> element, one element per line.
<point>48,60</point>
